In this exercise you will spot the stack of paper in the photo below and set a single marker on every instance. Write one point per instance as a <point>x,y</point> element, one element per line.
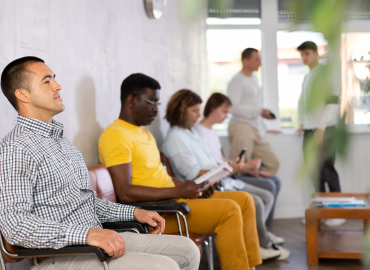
<point>215,174</point>
<point>339,202</point>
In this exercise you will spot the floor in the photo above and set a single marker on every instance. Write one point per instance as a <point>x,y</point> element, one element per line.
<point>294,233</point>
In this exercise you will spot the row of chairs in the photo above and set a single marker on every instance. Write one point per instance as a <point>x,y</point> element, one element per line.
<point>102,184</point>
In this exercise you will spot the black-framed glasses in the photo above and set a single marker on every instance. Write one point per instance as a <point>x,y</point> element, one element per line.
<point>153,103</point>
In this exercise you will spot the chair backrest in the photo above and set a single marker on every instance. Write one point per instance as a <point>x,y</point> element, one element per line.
<point>167,165</point>
<point>101,182</point>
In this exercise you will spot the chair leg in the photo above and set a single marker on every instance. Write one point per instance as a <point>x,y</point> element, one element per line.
<point>2,262</point>
<point>178,223</point>
<point>105,266</point>
<point>210,252</point>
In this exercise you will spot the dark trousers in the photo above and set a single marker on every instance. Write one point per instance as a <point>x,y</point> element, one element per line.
<point>325,161</point>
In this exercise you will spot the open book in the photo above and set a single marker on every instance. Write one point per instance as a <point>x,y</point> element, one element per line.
<point>215,174</point>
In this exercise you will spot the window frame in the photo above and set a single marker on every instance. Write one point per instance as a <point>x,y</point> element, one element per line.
<point>269,27</point>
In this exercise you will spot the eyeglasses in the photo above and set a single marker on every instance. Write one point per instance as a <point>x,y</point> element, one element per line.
<point>152,103</point>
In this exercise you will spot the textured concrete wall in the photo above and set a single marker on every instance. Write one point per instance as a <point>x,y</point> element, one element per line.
<point>92,45</point>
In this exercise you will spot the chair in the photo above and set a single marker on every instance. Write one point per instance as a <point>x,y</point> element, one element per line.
<point>102,183</point>
<point>12,254</point>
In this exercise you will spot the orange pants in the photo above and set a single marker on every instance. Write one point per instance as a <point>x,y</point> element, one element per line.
<point>231,215</point>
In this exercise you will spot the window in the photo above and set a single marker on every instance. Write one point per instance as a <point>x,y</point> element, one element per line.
<point>224,48</point>
<point>355,57</point>
<point>291,72</point>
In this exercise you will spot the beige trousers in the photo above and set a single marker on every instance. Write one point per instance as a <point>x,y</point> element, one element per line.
<point>244,135</point>
<point>143,252</point>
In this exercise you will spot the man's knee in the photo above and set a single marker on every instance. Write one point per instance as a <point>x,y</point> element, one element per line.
<point>160,262</point>
<point>245,201</point>
<point>189,251</point>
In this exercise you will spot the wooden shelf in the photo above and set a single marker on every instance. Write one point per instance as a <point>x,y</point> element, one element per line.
<point>340,244</point>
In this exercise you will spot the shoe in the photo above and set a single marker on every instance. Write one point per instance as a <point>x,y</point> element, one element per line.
<point>252,268</point>
<point>303,221</point>
<point>334,222</point>
<point>276,239</point>
<point>284,253</point>
<point>270,253</point>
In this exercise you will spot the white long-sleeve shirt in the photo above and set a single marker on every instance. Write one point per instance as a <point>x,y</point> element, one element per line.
<point>245,95</point>
<point>324,115</point>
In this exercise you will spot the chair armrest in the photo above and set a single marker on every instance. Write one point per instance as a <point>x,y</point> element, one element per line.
<point>126,226</point>
<point>163,206</point>
<point>66,251</point>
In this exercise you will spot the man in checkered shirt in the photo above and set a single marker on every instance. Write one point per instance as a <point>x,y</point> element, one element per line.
<point>45,195</point>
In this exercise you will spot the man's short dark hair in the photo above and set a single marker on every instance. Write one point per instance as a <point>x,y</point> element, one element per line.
<point>136,84</point>
<point>15,76</point>
<point>247,53</point>
<point>307,45</point>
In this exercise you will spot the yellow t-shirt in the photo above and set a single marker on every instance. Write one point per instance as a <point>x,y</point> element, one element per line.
<point>123,143</point>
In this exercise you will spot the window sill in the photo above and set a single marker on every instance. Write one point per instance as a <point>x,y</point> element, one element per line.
<point>352,129</point>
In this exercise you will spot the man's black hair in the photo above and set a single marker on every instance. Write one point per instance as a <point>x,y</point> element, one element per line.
<point>136,84</point>
<point>15,76</point>
<point>307,45</point>
<point>247,53</point>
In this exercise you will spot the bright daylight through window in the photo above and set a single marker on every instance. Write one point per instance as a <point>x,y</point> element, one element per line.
<point>291,71</point>
<point>224,48</point>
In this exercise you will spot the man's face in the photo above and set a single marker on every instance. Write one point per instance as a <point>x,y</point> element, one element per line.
<point>192,115</point>
<point>309,56</point>
<point>144,113</point>
<point>254,62</point>
<point>44,91</point>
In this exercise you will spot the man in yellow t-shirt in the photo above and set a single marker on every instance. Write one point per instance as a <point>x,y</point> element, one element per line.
<point>130,153</point>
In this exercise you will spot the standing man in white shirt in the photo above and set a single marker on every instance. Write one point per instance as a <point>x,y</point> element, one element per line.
<point>319,122</point>
<point>246,126</point>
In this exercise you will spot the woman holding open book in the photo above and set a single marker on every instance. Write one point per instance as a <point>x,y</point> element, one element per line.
<point>190,158</point>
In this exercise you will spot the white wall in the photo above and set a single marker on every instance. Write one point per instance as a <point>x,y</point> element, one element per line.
<point>92,45</point>
<point>294,195</point>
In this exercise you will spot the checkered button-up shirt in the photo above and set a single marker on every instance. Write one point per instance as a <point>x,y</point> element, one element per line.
<point>45,195</point>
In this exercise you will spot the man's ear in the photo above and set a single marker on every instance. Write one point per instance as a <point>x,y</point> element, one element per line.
<point>22,95</point>
<point>130,101</point>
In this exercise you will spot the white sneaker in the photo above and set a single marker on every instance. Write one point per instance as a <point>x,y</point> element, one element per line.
<point>284,253</point>
<point>270,252</point>
<point>334,222</point>
<point>276,239</point>
<point>303,221</point>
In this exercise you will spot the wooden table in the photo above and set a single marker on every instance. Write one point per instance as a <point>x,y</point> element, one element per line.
<point>330,243</point>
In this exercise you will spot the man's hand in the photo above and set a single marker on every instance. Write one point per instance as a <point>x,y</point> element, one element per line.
<point>266,114</point>
<point>259,174</point>
<point>236,164</point>
<point>319,136</point>
<point>209,191</point>
<point>300,131</point>
<point>151,218</point>
<point>109,240</point>
<point>191,190</point>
